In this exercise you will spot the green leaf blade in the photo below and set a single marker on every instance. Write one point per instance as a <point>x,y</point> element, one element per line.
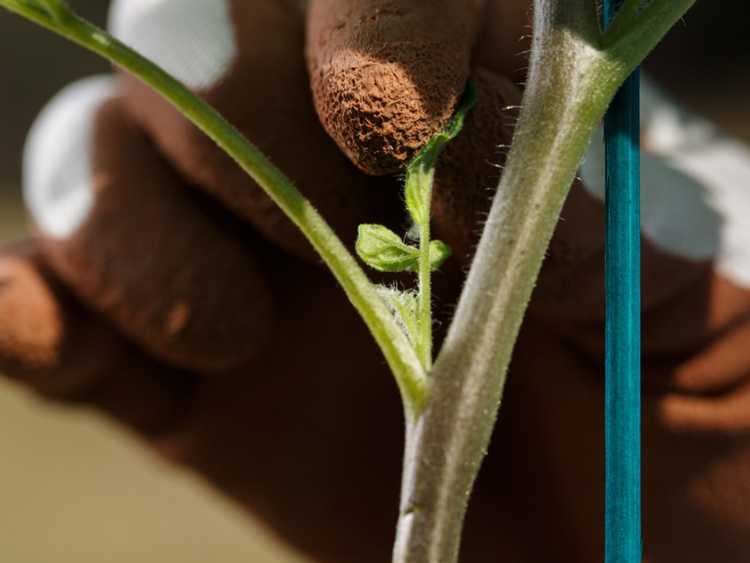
<point>384,251</point>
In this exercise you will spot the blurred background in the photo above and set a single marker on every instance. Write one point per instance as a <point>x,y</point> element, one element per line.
<point>74,488</point>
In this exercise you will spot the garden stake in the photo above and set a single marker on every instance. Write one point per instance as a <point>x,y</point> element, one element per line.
<point>623,346</point>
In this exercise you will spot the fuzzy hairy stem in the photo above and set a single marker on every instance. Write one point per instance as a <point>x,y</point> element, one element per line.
<point>398,351</point>
<point>424,307</point>
<point>572,79</point>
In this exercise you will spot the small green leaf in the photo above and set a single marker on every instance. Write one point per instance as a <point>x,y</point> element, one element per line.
<point>404,306</point>
<point>420,173</point>
<point>382,249</point>
<point>439,253</point>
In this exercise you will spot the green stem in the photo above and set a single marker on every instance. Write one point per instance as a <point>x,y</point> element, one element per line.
<point>425,285</point>
<point>420,179</point>
<point>399,353</point>
<point>562,105</point>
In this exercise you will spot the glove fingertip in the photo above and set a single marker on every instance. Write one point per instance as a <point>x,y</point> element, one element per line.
<point>384,79</point>
<point>31,331</point>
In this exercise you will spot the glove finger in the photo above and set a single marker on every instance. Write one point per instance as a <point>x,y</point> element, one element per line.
<point>39,335</point>
<point>386,75</point>
<point>246,59</point>
<point>174,273</point>
<point>64,352</point>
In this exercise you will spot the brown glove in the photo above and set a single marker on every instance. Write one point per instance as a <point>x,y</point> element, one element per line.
<point>165,289</point>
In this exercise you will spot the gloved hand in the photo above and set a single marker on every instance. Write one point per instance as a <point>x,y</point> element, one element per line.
<point>163,288</point>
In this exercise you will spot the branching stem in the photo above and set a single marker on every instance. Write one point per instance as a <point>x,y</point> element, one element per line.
<point>398,351</point>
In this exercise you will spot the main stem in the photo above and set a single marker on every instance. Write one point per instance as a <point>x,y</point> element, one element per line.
<point>563,103</point>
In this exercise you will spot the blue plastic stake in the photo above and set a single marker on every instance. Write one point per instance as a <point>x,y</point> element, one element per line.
<point>622,410</point>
